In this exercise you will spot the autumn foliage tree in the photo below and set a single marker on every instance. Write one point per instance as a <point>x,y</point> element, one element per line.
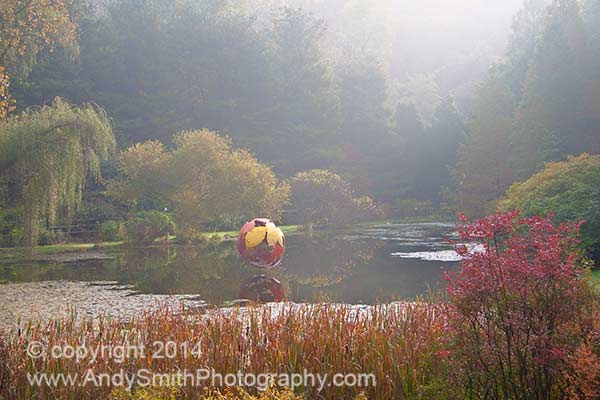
<point>203,178</point>
<point>6,103</point>
<point>27,27</point>
<point>520,307</point>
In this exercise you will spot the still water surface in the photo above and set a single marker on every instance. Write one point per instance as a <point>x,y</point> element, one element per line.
<point>361,266</point>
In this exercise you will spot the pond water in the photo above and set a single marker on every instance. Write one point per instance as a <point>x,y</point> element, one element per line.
<point>360,266</point>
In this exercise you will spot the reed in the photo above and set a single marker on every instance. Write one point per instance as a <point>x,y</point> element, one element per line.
<point>398,343</point>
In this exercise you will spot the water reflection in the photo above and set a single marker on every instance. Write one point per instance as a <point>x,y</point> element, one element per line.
<point>262,289</point>
<point>353,267</point>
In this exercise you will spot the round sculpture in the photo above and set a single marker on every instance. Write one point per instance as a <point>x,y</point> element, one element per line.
<point>261,243</point>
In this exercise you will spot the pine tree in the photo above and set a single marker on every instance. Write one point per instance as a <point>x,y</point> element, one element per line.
<point>555,83</point>
<point>483,171</point>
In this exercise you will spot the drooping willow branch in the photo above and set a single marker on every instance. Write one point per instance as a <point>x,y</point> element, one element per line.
<point>8,160</point>
<point>49,153</point>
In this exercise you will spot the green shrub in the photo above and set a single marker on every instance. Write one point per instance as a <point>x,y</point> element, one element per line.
<point>569,189</point>
<point>45,236</point>
<point>11,233</point>
<point>112,231</point>
<point>322,197</point>
<point>148,225</point>
<point>13,238</point>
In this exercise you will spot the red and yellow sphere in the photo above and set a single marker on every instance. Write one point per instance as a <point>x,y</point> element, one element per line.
<point>261,243</point>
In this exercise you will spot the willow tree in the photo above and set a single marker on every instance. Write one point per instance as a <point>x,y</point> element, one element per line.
<point>48,154</point>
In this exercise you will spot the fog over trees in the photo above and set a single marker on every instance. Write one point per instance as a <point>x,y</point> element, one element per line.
<point>418,182</point>
<point>415,104</point>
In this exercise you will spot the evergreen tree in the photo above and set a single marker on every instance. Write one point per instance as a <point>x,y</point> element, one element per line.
<point>366,143</point>
<point>483,171</point>
<point>555,81</point>
<point>303,116</point>
<point>590,113</point>
<point>410,134</point>
<point>527,28</point>
<point>539,105</point>
<point>443,138</point>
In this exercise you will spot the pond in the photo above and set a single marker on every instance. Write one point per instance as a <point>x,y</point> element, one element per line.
<point>379,263</point>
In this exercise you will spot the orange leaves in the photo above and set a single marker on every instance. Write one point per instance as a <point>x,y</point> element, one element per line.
<point>29,26</point>
<point>582,372</point>
<point>6,102</point>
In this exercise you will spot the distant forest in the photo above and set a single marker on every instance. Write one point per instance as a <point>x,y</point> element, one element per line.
<point>340,85</point>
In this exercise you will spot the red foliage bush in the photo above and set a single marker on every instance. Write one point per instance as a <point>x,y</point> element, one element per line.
<point>517,304</point>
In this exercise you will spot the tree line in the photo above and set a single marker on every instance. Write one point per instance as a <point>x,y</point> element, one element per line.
<point>271,85</point>
<point>265,77</point>
<point>540,104</point>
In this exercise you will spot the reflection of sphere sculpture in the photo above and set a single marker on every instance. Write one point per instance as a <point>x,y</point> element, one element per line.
<point>263,289</point>
<point>261,243</point>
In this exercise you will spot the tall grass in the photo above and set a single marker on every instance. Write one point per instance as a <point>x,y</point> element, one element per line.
<point>398,343</point>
